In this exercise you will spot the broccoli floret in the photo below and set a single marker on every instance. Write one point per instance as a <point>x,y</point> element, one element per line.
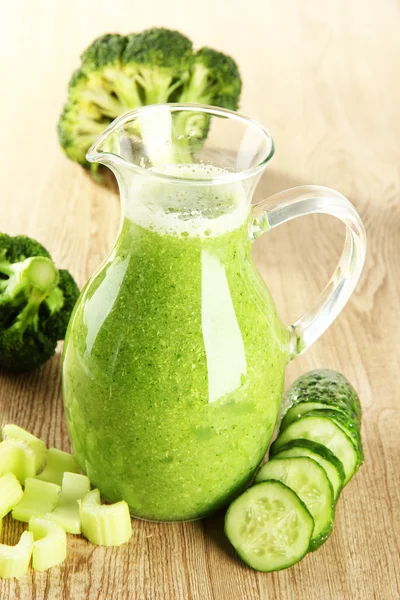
<point>78,129</point>
<point>19,248</point>
<point>215,79</point>
<point>36,301</point>
<point>92,98</point>
<point>119,73</point>
<point>159,60</point>
<point>105,50</point>
<point>60,304</point>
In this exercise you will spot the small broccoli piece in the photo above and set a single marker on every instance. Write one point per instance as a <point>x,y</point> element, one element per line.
<point>60,304</point>
<point>159,61</point>
<point>19,247</point>
<point>119,73</point>
<point>93,101</point>
<point>36,301</point>
<point>215,79</point>
<point>104,51</point>
<point>78,129</point>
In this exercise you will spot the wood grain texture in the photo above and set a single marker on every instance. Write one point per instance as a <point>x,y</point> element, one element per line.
<point>323,76</point>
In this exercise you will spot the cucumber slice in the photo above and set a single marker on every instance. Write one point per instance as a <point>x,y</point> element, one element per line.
<point>335,476</point>
<point>323,430</point>
<point>327,387</point>
<point>310,482</point>
<point>346,424</point>
<point>269,526</point>
<point>300,409</point>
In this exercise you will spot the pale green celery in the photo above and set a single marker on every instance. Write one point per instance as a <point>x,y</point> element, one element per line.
<point>104,525</point>
<point>14,432</point>
<point>50,545</point>
<point>40,497</point>
<point>74,488</point>
<point>17,457</point>
<point>14,560</point>
<point>10,493</point>
<point>57,463</point>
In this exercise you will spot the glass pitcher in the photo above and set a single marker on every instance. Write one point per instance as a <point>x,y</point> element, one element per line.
<point>174,360</point>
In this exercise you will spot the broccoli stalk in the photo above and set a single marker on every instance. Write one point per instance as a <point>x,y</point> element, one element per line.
<point>119,73</point>
<point>55,300</point>
<point>157,85</point>
<point>29,283</point>
<point>36,300</point>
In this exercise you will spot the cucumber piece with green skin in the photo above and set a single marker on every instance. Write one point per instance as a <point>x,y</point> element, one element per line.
<point>335,475</point>
<point>346,424</point>
<point>321,429</point>
<point>326,387</point>
<point>310,482</point>
<point>314,447</point>
<point>269,526</point>
<point>300,409</point>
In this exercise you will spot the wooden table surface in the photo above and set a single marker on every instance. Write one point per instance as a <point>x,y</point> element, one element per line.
<point>324,77</point>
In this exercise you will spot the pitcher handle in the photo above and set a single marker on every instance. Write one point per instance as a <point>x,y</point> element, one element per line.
<point>306,200</point>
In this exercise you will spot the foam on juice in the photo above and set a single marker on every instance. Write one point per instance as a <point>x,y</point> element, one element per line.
<point>171,208</point>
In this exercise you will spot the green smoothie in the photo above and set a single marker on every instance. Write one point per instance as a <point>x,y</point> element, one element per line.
<point>174,359</point>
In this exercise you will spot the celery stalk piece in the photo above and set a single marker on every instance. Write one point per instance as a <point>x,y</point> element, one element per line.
<point>74,488</point>
<point>10,493</point>
<point>40,497</point>
<point>57,463</point>
<point>17,457</point>
<point>14,560</point>
<point>105,525</point>
<point>50,545</point>
<point>14,432</point>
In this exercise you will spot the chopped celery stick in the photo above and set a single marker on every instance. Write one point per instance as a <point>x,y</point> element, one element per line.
<point>105,525</point>
<point>74,487</point>
<point>40,497</point>
<point>50,545</point>
<point>14,560</point>
<point>57,463</point>
<point>18,458</point>
<point>13,432</point>
<point>10,493</point>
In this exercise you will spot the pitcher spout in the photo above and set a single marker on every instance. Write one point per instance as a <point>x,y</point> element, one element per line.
<point>105,150</point>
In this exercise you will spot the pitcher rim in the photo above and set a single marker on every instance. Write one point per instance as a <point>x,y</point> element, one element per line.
<point>93,155</point>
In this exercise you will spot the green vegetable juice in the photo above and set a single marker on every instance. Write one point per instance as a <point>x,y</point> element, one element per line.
<point>174,359</point>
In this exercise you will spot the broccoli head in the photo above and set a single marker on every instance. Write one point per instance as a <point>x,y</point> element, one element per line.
<point>36,301</point>
<point>119,73</point>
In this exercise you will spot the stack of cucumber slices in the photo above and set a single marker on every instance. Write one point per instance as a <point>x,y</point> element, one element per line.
<point>290,508</point>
